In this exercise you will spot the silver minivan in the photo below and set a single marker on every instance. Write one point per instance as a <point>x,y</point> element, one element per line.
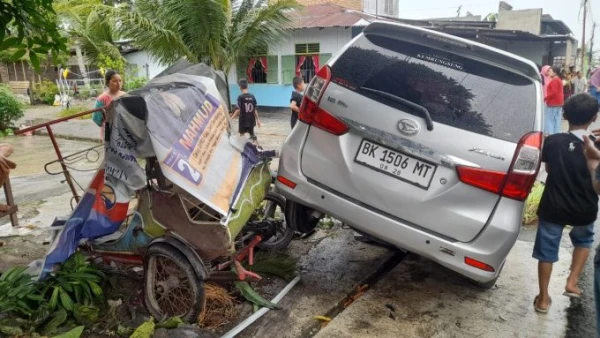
<point>421,139</point>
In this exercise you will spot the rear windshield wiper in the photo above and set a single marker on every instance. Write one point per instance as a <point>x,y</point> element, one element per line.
<point>404,102</point>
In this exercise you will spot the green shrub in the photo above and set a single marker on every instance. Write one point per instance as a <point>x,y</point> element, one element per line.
<point>45,92</point>
<point>75,110</point>
<point>134,83</point>
<point>10,108</point>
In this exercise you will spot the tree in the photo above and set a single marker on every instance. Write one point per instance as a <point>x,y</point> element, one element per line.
<point>211,31</point>
<point>29,27</point>
<point>89,31</point>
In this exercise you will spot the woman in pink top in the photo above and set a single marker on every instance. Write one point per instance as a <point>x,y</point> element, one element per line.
<point>114,84</point>
<point>545,78</point>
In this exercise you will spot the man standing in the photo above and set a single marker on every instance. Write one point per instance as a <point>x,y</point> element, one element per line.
<point>579,83</point>
<point>594,85</point>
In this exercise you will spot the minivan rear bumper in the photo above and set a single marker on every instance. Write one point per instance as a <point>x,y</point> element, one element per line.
<point>491,246</point>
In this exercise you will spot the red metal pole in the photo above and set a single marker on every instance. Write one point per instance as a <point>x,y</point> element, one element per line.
<point>62,164</point>
<point>61,160</point>
<point>45,124</point>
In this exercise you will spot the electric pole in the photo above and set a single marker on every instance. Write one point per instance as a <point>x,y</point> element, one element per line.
<point>592,44</point>
<point>583,34</point>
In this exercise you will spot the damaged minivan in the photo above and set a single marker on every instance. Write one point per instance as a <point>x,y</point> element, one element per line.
<point>420,139</point>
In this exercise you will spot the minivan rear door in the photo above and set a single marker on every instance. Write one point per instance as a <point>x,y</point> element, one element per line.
<point>417,108</point>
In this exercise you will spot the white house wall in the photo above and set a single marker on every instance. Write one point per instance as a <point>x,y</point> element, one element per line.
<point>147,67</point>
<point>330,40</point>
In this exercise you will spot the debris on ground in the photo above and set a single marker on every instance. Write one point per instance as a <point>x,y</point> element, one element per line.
<point>74,333</point>
<point>219,309</point>
<point>146,330</point>
<point>54,304</point>
<point>275,264</point>
<point>323,318</point>
<point>252,296</point>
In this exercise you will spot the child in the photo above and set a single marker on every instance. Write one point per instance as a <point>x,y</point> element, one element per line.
<point>246,109</point>
<point>568,199</point>
<point>296,99</point>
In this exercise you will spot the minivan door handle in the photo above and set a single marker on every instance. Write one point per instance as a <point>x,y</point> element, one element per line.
<point>405,102</point>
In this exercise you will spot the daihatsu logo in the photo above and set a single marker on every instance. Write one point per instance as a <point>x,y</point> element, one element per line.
<point>408,127</point>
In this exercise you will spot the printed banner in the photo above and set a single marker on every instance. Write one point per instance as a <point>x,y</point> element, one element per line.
<point>100,212</point>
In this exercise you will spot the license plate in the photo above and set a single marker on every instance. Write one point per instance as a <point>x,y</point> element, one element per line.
<point>396,164</point>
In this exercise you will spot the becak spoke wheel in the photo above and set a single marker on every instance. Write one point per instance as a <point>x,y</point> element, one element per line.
<point>171,286</point>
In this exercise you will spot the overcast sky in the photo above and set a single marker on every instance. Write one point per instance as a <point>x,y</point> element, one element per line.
<point>569,11</point>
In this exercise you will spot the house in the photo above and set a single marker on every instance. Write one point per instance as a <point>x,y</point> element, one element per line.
<point>317,32</point>
<point>139,61</point>
<point>528,33</point>
<point>321,29</point>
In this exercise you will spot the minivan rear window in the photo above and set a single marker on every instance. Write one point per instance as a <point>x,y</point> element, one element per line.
<point>457,91</point>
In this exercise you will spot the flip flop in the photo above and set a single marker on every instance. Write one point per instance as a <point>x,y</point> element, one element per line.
<point>539,309</point>
<point>572,295</point>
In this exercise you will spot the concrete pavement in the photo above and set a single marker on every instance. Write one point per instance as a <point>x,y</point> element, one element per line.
<point>427,300</point>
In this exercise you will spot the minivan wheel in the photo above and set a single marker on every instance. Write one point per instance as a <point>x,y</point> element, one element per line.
<point>490,284</point>
<point>486,285</point>
<point>300,217</point>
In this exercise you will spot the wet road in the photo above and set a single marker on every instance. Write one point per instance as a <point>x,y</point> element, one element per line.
<point>581,320</point>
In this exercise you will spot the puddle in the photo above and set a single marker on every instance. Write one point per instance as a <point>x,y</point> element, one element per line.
<point>33,152</point>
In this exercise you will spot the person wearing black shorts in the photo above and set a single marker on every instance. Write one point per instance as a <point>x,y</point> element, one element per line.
<point>296,99</point>
<point>246,110</point>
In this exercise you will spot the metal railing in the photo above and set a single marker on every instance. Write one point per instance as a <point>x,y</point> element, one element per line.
<point>60,158</point>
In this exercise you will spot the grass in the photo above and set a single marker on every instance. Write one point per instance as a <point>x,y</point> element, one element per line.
<point>75,110</point>
<point>326,223</point>
<point>532,203</point>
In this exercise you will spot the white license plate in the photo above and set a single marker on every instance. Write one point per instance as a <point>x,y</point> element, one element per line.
<point>396,164</point>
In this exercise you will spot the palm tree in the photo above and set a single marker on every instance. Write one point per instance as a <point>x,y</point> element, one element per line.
<point>89,30</point>
<point>216,32</point>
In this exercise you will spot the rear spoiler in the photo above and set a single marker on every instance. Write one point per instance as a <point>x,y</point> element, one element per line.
<point>471,49</point>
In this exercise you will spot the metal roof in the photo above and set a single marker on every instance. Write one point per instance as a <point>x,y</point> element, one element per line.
<point>555,27</point>
<point>327,15</point>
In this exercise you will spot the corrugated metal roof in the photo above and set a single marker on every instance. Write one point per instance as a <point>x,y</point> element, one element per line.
<point>327,15</point>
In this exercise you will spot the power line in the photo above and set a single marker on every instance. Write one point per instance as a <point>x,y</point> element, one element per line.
<point>583,34</point>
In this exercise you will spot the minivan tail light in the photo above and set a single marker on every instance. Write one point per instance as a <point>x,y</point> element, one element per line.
<point>525,167</point>
<point>310,111</point>
<point>479,265</point>
<point>517,183</point>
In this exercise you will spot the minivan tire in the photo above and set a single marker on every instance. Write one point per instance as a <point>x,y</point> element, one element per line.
<point>299,217</point>
<point>490,284</point>
<point>486,285</point>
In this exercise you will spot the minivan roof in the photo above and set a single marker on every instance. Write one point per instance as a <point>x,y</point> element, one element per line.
<point>472,49</point>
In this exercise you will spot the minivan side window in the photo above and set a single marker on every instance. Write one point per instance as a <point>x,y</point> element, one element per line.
<point>457,91</point>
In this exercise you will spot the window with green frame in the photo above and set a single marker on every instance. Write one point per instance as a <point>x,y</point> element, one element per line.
<point>289,64</point>
<point>252,68</point>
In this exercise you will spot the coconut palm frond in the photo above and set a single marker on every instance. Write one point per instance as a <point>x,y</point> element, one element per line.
<point>259,26</point>
<point>151,32</point>
<point>202,34</point>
